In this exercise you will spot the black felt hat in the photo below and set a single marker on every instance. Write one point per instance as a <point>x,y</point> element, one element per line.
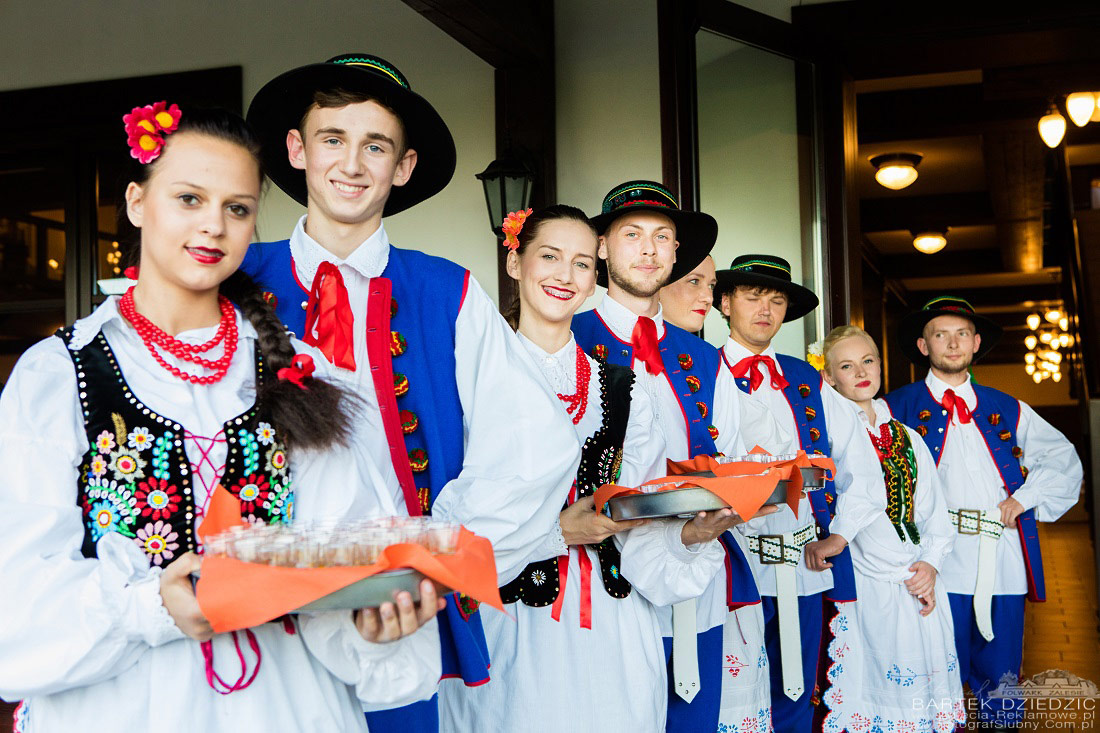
<point>912,326</point>
<point>766,271</point>
<point>280,105</point>
<point>695,231</point>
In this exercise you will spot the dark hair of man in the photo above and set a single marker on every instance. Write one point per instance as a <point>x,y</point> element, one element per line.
<point>336,98</point>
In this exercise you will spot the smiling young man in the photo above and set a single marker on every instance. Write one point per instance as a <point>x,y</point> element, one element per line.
<point>1003,468</point>
<point>757,296</point>
<point>645,242</point>
<point>439,371</point>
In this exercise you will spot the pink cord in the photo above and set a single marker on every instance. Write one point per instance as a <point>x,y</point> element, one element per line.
<point>212,677</point>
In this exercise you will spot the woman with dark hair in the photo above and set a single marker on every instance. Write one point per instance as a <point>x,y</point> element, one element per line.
<point>585,652</point>
<point>116,432</point>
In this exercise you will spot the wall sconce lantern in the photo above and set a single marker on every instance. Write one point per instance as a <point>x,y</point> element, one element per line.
<point>507,182</point>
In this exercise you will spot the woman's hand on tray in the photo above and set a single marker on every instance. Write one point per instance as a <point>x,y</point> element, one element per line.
<point>177,593</point>
<point>581,524</point>
<point>707,526</point>
<point>392,621</point>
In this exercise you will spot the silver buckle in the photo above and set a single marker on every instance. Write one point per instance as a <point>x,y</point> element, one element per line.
<point>963,513</point>
<point>778,539</point>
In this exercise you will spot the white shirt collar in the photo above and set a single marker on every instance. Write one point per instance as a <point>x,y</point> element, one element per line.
<point>965,390</point>
<point>735,352</point>
<point>560,368</point>
<point>621,319</point>
<point>369,259</point>
<point>107,313</point>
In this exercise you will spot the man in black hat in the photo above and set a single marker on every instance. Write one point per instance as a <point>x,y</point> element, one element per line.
<point>1003,468</point>
<point>757,296</point>
<point>439,371</point>
<point>646,241</point>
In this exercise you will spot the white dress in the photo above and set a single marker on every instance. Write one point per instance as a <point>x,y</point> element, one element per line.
<point>557,676</point>
<point>891,668</point>
<point>88,640</point>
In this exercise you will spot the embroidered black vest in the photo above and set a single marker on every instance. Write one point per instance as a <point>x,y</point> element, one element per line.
<point>601,461</point>
<point>136,479</point>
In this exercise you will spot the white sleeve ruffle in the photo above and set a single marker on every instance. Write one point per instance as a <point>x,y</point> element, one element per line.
<point>69,621</point>
<point>521,449</point>
<point>1053,482</point>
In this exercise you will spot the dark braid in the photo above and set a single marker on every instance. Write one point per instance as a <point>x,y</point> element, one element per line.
<point>530,230</point>
<point>316,417</point>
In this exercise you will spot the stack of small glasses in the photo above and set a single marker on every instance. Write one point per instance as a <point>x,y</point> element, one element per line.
<point>331,544</point>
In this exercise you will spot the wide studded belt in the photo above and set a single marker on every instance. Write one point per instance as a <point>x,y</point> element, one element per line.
<point>782,549</point>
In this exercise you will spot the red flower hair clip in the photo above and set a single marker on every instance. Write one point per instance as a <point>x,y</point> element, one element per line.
<point>146,128</point>
<point>512,226</point>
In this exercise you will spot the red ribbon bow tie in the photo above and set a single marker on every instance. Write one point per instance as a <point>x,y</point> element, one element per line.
<point>956,406</point>
<point>329,321</point>
<point>301,367</point>
<point>644,342</point>
<point>750,365</point>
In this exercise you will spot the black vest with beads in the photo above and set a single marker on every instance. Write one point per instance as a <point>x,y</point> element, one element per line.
<point>136,479</point>
<point>601,460</point>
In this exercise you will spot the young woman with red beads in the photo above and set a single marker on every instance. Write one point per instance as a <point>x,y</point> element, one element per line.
<point>893,662</point>
<point>114,434</point>
<point>585,652</point>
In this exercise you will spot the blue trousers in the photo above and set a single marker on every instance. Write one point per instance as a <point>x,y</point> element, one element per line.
<point>981,662</point>
<point>794,716</point>
<point>420,717</point>
<point>701,714</point>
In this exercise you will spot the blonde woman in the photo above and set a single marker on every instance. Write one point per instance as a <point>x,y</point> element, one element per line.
<point>893,661</point>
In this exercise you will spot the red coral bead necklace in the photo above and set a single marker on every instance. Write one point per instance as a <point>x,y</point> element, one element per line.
<point>577,403</point>
<point>153,336</point>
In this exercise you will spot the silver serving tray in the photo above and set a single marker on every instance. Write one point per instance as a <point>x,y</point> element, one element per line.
<point>813,478</point>
<point>678,502</point>
<point>371,592</point>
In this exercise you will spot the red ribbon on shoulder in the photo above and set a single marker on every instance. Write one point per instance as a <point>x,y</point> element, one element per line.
<point>329,320</point>
<point>301,367</point>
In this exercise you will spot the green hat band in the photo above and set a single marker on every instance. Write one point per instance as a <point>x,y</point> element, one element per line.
<point>377,66</point>
<point>639,195</point>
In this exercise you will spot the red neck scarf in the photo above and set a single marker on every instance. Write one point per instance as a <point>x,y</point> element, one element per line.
<point>750,365</point>
<point>955,406</point>
<point>644,342</point>
<point>329,320</point>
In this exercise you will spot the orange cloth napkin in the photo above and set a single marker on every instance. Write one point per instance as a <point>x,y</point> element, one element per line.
<point>239,595</point>
<point>744,485</point>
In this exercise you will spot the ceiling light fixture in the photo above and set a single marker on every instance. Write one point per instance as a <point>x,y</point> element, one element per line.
<point>1030,341</point>
<point>1052,127</point>
<point>1080,105</point>
<point>896,170</point>
<point>1033,321</point>
<point>930,242</point>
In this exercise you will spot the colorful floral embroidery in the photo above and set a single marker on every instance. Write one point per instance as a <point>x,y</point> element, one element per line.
<point>400,385</point>
<point>265,433</point>
<point>924,415</point>
<point>105,518</point>
<point>161,449</point>
<point>702,409</point>
<point>280,500</point>
<point>685,361</point>
<point>693,383</point>
<point>467,606</point>
<point>734,665</point>
<point>538,577</point>
<point>276,460</point>
<point>98,466</point>
<point>158,540</point>
<point>614,569</point>
<point>127,465</point>
<point>398,344</point>
<point>599,351</point>
<point>105,442</point>
<point>250,450</point>
<point>409,421</point>
<point>140,439</point>
<point>252,490</point>
<point>160,499</point>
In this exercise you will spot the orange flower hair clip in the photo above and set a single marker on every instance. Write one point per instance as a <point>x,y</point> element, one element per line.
<point>146,128</point>
<point>512,226</point>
